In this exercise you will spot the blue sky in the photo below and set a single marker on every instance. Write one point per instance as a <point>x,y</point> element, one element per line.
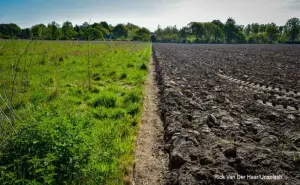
<point>147,13</point>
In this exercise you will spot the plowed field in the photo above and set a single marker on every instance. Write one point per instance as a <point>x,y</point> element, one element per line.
<point>231,113</point>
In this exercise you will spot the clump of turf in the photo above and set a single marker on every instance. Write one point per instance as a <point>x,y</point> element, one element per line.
<point>108,100</point>
<point>143,67</point>
<point>123,76</point>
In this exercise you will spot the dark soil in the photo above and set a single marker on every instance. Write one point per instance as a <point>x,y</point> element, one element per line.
<point>230,110</point>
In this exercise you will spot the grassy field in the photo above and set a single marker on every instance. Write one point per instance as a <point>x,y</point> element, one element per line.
<point>70,110</point>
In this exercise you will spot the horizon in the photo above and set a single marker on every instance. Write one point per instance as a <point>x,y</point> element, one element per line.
<point>146,14</point>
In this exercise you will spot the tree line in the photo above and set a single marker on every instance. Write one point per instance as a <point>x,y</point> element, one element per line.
<point>195,32</point>
<point>66,31</point>
<point>230,32</point>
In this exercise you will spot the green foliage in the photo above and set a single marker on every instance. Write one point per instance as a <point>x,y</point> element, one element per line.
<point>133,97</point>
<point>183,34</point>
<point>39,31</point>
<point>272,32</point>
<point>218,23</point>
<point>68,134</point>
<point>255,28</point>
<point>10,30</point>
<point>54,31</point>
<point>212,32</point>
<point>104,31</point>
<point>120,31</point>
<point>293,29</point>
<point>194,32</point>
<point>169,34</point>
<point>144,67</point>
<point>259,38</point>
<point>234,33</point>
<point>26,33</point>
<point>94,34</point>
<point>54,150</point>
<point>142,34</point>
<point>105,25</point>
<point>197,30</point>
<point>108,100</point>
<point>230,30</point>
<point>68,31</point>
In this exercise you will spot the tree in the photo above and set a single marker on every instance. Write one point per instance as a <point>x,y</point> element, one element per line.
<point>255,28</point>
<point>99,27</point>
<point>293,29</point>
<point>77,28</point>
<point>54,31</point>
<point>240,37</point>
<point>247,30</point>
<point>153,38</point>
<point>183,33</point>
<point>272,32</point>
<point>230,30</point>
<point>120,31</point>
<point>258,38</point>
<point>208,30</point>
<point>131,26</point>
<point>262,28</point>
<point>142,34</point>
<point>197,30</point>
<point>218,23</point>
<point>93,34</point>
<point>26,33</point>
<point>39,31</point>
<point>10,30</point>
<point>262,38</point>
<point>170,34</point>
<point>281,29</point>
<point>105,25</point>
<point>218,34</point>
<point>212,31</point>
<point>68,30</point>
<point>158,33</point>
<point>85,26</point>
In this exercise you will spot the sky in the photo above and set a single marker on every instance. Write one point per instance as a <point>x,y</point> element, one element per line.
<point>147,13</point>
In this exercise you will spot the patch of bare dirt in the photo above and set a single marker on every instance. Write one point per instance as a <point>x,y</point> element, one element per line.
<point>150,160</point>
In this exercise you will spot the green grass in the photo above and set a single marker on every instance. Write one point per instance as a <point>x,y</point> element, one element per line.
<point>64,131</point>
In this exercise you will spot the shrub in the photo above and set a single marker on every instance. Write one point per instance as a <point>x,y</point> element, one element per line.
<point>48,152</point>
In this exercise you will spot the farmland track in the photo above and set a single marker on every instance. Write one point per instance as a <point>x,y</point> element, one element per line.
<point>262,87</point>
<point>219,121</point>
<point>281,99</point>
<point>150,160</point>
